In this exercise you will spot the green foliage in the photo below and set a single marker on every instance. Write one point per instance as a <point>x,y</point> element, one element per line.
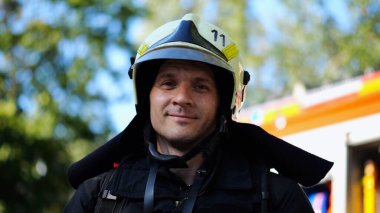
<point>312,48</point>
<point>50,111</point>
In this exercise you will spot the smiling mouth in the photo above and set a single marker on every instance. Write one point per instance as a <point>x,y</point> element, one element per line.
<point>184,117</point>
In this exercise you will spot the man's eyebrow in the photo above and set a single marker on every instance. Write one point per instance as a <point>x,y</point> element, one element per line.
<point>203,79</point>
<point>207,80</point>
<point>165,74</point>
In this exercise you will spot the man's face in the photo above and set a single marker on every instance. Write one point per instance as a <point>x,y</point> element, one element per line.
<point>183,103</point>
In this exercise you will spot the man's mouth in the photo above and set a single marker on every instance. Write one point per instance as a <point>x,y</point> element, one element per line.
<point>182,116</point>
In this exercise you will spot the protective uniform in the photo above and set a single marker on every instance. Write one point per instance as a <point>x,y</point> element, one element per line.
<point>231,182</point>
<point>234,175</point>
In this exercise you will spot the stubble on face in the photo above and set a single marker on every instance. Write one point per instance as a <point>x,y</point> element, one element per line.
<point>183,105</point>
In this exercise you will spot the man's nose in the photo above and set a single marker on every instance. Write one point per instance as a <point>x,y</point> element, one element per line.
<point>183,95</point>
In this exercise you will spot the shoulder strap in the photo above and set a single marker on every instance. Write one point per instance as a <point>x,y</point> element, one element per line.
<point>259,172</point>
<point>106,201</point>
<point>264,188</point>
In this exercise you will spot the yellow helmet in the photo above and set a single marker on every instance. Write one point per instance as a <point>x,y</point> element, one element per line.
<point>192,38</point>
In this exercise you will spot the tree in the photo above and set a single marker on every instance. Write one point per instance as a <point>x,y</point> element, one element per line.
<point>51,112</point>
<point>312,48</point>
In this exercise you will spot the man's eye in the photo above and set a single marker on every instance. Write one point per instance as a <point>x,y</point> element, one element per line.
<point>168,83</point>
<point>201,87</point>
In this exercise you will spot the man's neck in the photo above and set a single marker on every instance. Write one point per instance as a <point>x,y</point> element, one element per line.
<point>186,174</point>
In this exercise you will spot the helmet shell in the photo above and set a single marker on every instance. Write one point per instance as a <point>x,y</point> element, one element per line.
<point>191,38</point>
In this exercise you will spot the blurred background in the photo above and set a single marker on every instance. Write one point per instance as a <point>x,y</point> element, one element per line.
<point>64,88</point>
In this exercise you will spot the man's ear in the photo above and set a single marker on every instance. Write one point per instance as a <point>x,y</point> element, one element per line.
<point>130,71</point>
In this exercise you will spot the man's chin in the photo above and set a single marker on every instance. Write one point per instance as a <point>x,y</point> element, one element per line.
<point>182,143</point>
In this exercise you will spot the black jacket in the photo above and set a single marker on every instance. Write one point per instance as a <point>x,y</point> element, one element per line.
<point>233,183</point>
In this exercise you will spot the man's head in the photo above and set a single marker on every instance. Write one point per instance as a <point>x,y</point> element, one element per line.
<point>183,103</point>
<point>191,39</point>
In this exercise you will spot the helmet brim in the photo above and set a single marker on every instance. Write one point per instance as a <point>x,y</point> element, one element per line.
<point>184,53</point>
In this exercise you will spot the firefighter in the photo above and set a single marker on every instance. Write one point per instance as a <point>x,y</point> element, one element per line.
<point>184,151</point>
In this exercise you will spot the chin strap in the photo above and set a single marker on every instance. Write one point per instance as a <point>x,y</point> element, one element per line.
<point>172,161</point>
<point>207,146</point>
